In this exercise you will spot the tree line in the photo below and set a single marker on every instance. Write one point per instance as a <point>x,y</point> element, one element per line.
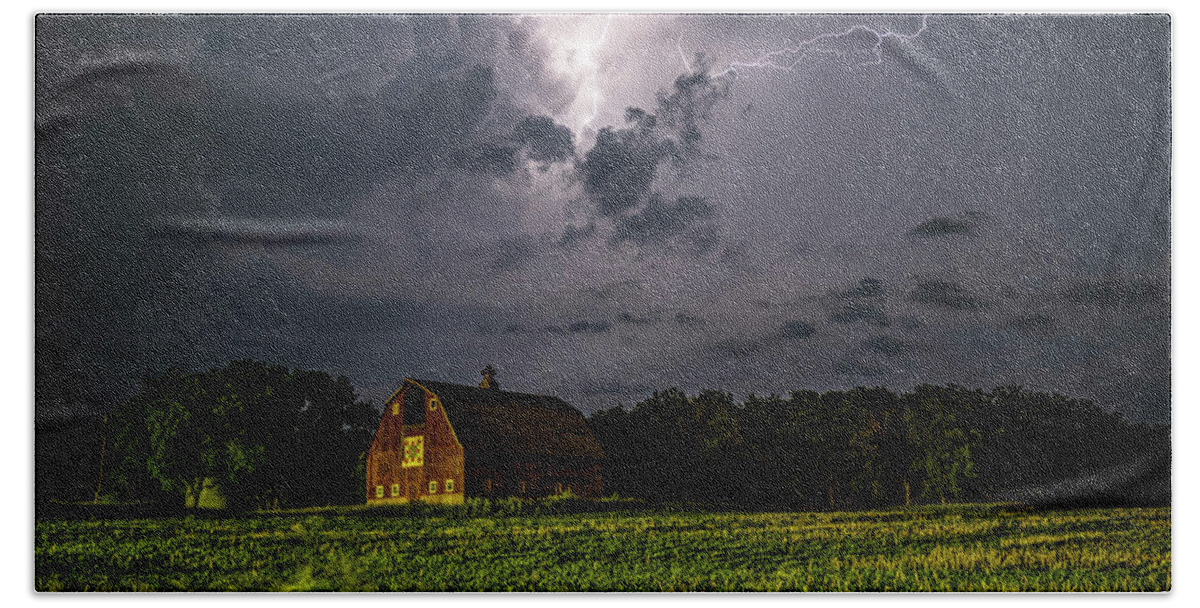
<point>265,435</point>
<point>864,447</point>
<point>270,436</point>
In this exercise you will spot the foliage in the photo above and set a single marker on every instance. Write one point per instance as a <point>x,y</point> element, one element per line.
<point>264,434</point>
<point>935,548</point>
<point>861,448</point>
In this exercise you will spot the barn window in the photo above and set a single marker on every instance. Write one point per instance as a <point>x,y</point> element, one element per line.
<point>395,408</point>
<point>433,487</point>
<point>395,489</point>
<point>433,403</point>
<point>449,485</point>
<point>378,491</point>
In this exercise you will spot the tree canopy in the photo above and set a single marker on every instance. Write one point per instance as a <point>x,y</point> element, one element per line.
<point>267,435</point>
<point>861,447</point>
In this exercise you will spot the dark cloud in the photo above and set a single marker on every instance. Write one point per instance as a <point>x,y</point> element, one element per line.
<point>613,291</point>
<point>690,103</point>
<point>573,236</point>
<point>943,294</point>
<point>630,319</point>
<point>867,288</point>
<point>659,222</point>
<point>546,140</point>
<point>1109,293</point>
<point>855,367</point>
<point>251,231</point>
<point>888,345</point>
<point>513,254</point>
<point>591,327</point>
<point>732,350</point>
<point>944,226</point>
<point>581,327</point>
<point>351,193</point>
<point>300,151</point>
<point>185,135</point>
<point>858,304</point>
<point>796,330</point>
<point>619,171</point>
<point>855,312</point>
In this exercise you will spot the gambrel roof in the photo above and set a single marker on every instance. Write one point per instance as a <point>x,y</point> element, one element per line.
<point>504,422</point>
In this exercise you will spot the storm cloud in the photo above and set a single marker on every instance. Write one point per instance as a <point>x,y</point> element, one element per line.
<point>944,226</point>
<point>619,173</point>
<point>946,295</point>
<point>813,201</point>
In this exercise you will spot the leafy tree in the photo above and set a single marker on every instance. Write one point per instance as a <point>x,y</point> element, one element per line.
<point>268,436</point>
<point>942,447</point>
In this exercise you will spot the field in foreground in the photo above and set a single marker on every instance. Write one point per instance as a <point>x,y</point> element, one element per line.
<point>956,548</point>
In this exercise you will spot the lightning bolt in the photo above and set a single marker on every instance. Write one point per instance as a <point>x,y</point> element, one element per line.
<point>787,58</point>
<point>587,123</point>
<point>686,66</point>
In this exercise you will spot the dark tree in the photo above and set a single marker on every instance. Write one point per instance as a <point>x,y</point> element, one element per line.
<point>268,436</point>
<point>869,447</point>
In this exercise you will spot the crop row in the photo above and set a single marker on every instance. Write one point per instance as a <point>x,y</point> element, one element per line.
<point>979,548</point>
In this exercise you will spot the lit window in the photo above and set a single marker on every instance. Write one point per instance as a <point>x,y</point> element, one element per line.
<point>395,489</point>
<point>449,485</point>
<point>433,487</point>
<point>396,408</point>
<point>433,403</point>
<point>378,491</point>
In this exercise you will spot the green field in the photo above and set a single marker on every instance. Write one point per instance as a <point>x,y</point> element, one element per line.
<point>956,548</point>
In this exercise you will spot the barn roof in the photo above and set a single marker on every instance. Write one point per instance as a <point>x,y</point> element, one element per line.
<point>506,422</point>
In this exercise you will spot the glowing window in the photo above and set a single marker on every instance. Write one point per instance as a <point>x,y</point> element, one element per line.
<point>378,491</point>
<point>433,487</point>
<point>449,485</point>
<point>396,408</point>
<point>433,403</point>
<point>395,489</point>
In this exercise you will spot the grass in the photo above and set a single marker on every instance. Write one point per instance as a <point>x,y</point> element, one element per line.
<point>953,548</point>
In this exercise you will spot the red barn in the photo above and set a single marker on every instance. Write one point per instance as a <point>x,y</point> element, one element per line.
<point>441,442</point>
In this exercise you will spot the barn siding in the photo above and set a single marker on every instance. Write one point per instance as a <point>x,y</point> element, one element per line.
<point>445,458</point>
<point>442,454</point>
<point>542,476</point>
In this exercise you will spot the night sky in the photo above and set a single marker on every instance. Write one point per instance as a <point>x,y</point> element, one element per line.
<point>601,206</point>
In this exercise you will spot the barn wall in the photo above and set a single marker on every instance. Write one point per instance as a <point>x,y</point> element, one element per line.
<point>541,476</point>
<point>441,454</point>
